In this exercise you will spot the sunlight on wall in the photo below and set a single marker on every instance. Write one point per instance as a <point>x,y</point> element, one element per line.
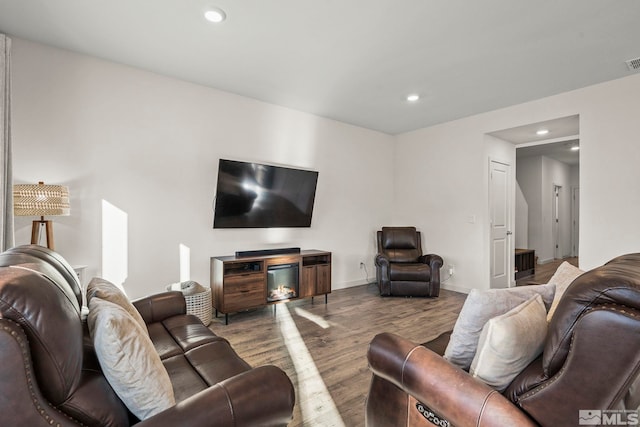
<point>185,263</point>
<point>316,404</point>
<point>115,257</point>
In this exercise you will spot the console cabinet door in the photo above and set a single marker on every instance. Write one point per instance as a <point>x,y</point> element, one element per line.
<point>308,281</point>
<point>323,279</point>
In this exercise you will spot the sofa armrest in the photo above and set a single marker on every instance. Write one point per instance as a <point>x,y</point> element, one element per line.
<point>446,389</point>
<point>158,307</point>
<point>22,403</point>
<point>263,396</point>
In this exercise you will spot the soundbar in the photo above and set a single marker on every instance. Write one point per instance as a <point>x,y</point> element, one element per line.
<point>265,252</point>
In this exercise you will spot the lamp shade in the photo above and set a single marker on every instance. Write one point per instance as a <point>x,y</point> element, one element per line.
<point>40,200</point>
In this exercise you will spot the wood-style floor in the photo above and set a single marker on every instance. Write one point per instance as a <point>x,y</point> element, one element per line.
<point>323,348</point>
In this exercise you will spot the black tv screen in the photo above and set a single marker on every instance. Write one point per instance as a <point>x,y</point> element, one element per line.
<point>253,195</point>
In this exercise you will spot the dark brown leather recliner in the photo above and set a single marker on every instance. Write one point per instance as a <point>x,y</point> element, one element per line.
<point>401,269</point>
<point>590,362</point>
<point>50,375</point>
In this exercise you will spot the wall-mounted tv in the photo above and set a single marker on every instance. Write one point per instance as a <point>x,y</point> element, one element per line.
<point>253,195</point>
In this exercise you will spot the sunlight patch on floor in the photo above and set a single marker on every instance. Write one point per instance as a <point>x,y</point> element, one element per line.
<point>313,317</point>
<point>313,398</point>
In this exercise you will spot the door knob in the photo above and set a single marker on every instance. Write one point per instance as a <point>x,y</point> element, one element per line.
<point>509,233</point>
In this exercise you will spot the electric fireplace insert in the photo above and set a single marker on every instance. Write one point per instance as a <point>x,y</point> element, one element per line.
<point>282,282</point>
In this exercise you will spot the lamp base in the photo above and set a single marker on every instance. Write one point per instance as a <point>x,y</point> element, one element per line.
<point>35,232</point>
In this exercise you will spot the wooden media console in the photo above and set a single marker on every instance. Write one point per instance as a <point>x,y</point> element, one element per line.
<point>244,282</point>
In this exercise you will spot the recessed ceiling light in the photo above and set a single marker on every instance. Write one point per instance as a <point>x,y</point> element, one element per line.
<point>413,97</point>
<point>215,15</point>
<point>542,132</point>
<point>575,148</point>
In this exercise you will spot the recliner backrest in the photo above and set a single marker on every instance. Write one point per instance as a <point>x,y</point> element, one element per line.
<point>616,282</point>
<point>54,260</point>
<point>51,321</point>
<point>400,244</point>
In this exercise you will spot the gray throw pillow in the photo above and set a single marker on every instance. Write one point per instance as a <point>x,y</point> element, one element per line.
<point>479,307</point>
<point>509,342</point>
<point>107,291</point>
<point>129,360</point>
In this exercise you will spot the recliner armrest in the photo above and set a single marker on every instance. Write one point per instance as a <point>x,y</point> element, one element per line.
<point>382,260</point>
<point>263,396</point>
<point>158,307</point>
<point>446,389</point>
<point>434,261</point>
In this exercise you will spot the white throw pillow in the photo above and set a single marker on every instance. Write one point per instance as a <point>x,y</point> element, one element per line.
<point>478,308</point>
<point>129,360</point>
<point>562,278</point>
<point>107,291</point>
<point>510,342</point>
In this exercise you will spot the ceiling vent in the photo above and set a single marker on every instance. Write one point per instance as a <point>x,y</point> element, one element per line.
<point>633,64</point>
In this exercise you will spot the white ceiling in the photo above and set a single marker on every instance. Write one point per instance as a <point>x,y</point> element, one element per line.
<point>356,60</point>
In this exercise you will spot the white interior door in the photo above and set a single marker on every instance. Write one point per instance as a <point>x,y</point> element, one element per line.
<point>501,252</point>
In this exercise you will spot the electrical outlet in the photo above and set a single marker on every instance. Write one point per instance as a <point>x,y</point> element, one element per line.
<point>361,265</point>
<point>451,269</point>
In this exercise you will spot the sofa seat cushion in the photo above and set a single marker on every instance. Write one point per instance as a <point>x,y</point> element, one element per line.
<point>216,361</point>
<point>163,342</point>
<point>177,334</point>
<point>203,366</point>
<point>189,332</point>
<point>185,380</point>
<point>410,272</point>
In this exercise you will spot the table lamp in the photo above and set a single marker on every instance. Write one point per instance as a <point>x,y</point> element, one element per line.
<point>40,200</point>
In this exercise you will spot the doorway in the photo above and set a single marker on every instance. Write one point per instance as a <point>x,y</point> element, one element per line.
<point>546,179</point>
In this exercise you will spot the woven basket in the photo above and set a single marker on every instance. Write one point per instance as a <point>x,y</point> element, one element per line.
<point>199,303</point>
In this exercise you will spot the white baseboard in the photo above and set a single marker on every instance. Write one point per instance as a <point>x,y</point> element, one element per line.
<point>349,284</point>
<point>455,288</point>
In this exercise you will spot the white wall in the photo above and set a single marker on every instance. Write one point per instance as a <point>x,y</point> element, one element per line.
<point>441,177</point>
<point>521,233</point>
<point>529,177</point>
<point>149,145</point>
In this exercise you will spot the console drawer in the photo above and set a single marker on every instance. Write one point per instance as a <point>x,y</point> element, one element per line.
<point>243,291</point>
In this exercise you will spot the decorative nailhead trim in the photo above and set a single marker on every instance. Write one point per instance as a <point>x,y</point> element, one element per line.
<point>26,355</point>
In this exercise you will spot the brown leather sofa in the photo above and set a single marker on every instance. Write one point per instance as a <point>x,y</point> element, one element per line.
<point>401,269</point>
<point>590,361</point>
<point>50,376</point>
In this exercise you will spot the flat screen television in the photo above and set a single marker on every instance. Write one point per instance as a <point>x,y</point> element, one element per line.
<point>253,195</point>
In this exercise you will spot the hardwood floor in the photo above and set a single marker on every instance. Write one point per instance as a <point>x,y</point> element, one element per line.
<point>323,348</point>
<point>545,271</point>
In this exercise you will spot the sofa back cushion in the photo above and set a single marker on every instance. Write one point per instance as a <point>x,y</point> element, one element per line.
<point>617,282</point>
<point>400,244</point>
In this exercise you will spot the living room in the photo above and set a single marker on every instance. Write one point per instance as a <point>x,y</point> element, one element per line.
<point>147,146</point>
<point>111,133</point>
